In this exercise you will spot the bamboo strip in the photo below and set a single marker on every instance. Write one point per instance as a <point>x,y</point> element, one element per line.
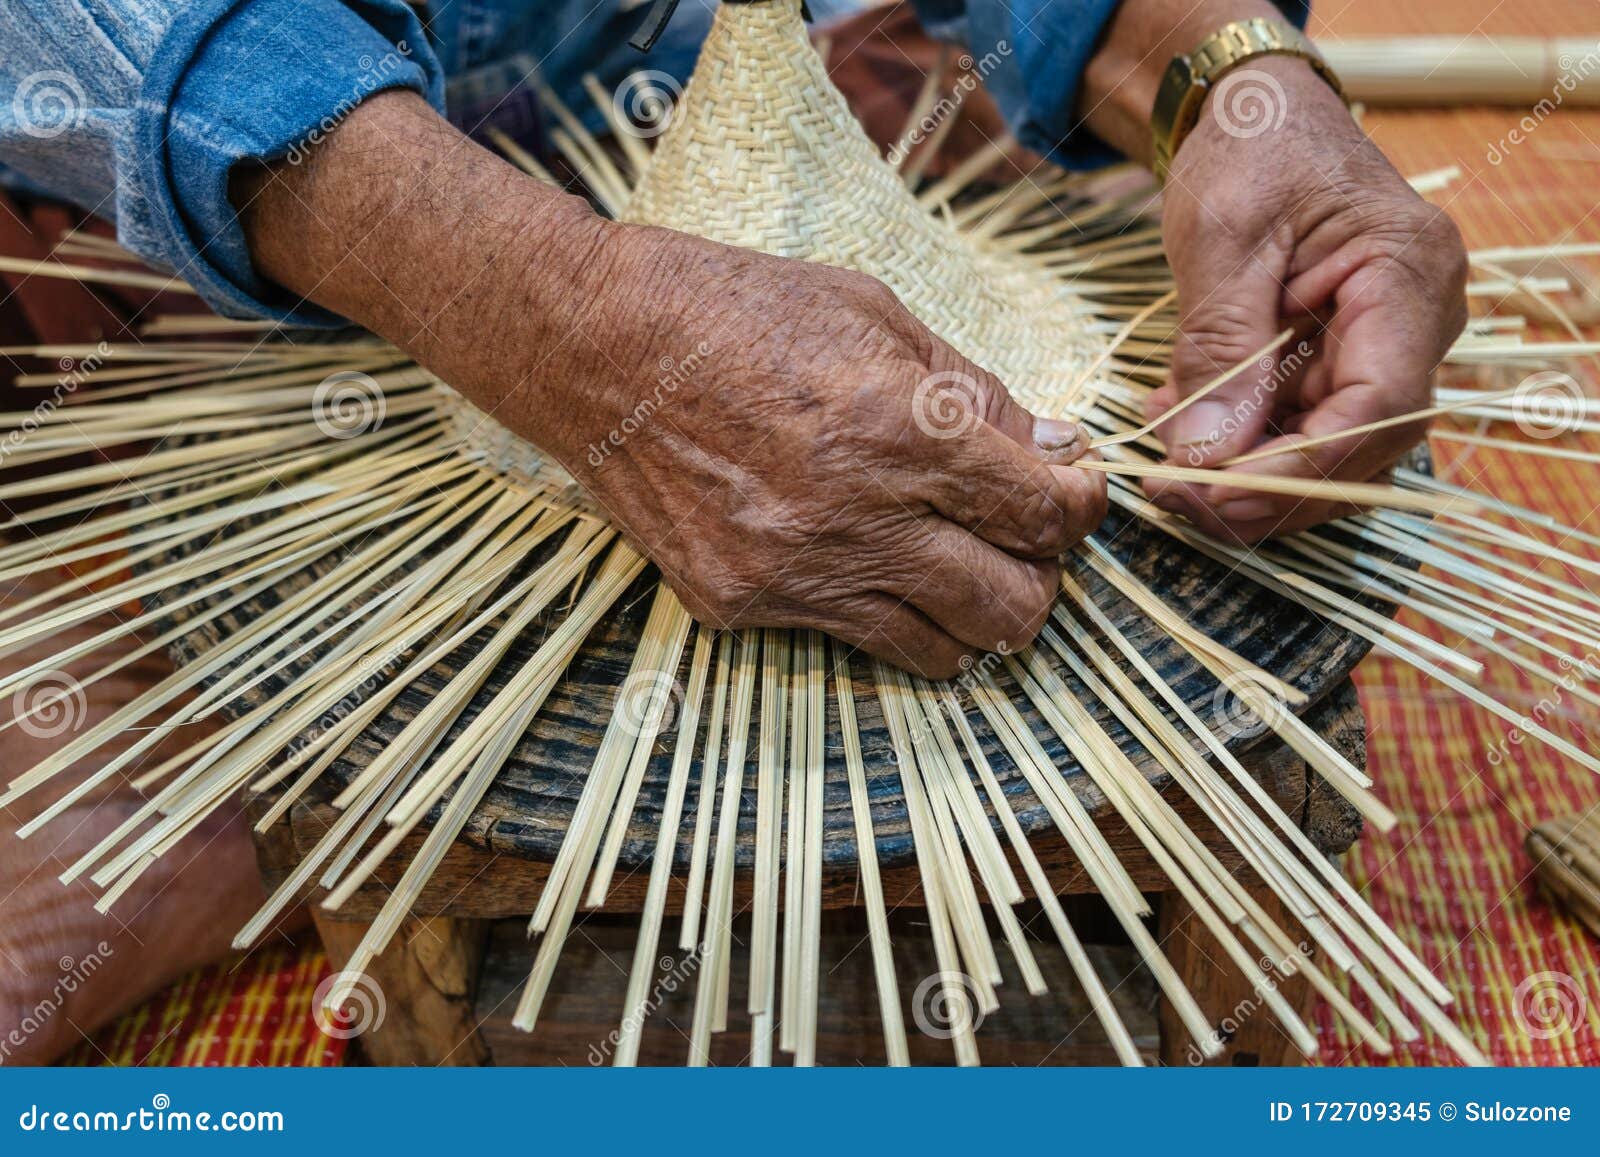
<point>1351,493</point>
<point>815,774</point>
<point>705,801</point>
<point>894,1031</point>
<point>655,901</point>
<point>719,910</point>
<point>1536,448</point>
<point>62,269</point>
<point>794,876</point>
<point>1304,444</point>
<point>769,797</point>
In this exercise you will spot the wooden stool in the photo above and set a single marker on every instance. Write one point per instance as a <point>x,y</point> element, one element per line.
<point>438,1012</point>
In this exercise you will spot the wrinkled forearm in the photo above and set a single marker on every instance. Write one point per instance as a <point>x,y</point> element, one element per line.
<point>488,277</point>
<point>1119,86</point>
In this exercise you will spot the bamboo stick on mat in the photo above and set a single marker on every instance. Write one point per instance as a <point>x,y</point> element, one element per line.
<point>1449,70</point>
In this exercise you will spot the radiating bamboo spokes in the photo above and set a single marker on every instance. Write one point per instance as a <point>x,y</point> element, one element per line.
<point>644,955</point>
<point>1409,977</point>
<point>626,748</point>
<point>1082,967</point>
<point>1186,862</point>
<point>1230,815</point>
<point>894,1031</point>
<point>471,761</point>
<point>945,913</point>
<point>312,702</point>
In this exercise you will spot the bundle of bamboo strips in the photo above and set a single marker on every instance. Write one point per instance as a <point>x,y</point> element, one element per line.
<point>1472,70</point>
<point>1566,854</point>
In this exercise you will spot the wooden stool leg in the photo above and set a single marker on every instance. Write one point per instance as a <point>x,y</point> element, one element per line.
<point>428,978</point>
<point>1250,1032</point>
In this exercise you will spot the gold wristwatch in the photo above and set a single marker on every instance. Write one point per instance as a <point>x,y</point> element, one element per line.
<point>1189,78</point>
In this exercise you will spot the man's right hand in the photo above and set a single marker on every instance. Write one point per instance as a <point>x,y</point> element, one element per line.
<point>783,439</point>
<point>809,454</point>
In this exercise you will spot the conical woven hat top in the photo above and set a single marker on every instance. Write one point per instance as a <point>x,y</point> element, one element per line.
<point>762,152</point>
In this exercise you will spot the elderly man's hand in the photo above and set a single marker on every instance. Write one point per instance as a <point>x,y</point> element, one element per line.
<point>1305,225</point>
<point>1279,212</point>
<point>786,441</point>
<point>792,447</point>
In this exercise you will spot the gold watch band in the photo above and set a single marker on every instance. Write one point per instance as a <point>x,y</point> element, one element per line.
<point>1190,77</point>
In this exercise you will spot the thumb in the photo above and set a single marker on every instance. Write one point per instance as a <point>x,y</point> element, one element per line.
<point>1220,326</point>
<point>1058,440</point>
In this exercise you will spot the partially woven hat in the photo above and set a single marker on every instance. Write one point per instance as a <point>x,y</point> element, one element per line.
<point>762,152</point>
<point>409,608</point>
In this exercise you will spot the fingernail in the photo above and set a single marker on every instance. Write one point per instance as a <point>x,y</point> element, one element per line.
<point>1199,429</point>
<point>1171,503</point>
<point>1246,509</point>
<point>1052,434</point>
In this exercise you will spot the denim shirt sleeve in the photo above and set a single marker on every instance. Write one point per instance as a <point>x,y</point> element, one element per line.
<point>1031,56</point>
<point>138,111</point>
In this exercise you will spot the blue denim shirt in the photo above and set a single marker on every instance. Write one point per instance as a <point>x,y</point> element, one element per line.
<point>136,110</point>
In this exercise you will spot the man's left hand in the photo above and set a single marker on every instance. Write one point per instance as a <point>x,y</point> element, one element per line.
<point>1303,223</point>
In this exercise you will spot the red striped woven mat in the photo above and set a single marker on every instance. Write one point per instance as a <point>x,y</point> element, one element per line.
<point>1453,878</point>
